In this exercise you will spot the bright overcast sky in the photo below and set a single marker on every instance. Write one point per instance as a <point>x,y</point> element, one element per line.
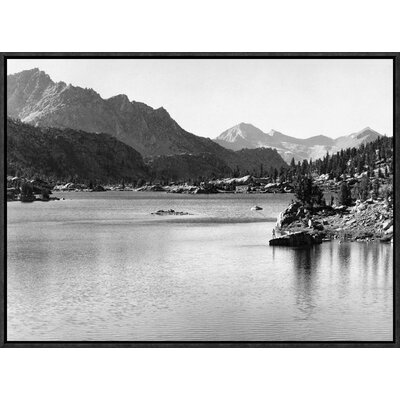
<point>300,98</point>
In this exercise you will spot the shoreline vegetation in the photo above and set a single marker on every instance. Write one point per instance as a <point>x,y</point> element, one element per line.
<point>345,196</point>
<point>361,213</point>
<point>364,221</point>
<point>307,220</point>
<point>19,188</point>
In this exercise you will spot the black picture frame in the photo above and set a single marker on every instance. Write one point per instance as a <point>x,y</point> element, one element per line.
<point>187,55</point>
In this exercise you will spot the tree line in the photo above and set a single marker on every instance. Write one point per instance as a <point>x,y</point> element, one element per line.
<point>373,162</point>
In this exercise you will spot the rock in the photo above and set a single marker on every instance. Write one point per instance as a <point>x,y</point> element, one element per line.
<point>297,239</point>
<point>289,215</point>
<point>206,190</point>
<point>151,188</point>
<point>387,224</point>
<point>389,231</point>
<point>170,212</point>
<point>362,207</point>
<point>364,236</point>
<point>318,227</point>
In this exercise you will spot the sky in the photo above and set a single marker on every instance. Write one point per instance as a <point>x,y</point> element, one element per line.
<point>300,98</point>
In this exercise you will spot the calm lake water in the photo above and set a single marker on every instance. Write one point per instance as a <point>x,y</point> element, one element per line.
<point>99,266</point>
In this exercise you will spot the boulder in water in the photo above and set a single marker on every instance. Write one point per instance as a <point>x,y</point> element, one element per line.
<point>170,212</point>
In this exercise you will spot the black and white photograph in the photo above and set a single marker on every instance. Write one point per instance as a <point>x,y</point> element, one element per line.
<point>235,199</point>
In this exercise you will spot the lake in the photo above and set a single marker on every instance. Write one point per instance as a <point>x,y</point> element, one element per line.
<point>99,266</point>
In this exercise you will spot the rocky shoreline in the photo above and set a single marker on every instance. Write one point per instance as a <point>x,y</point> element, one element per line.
<point>367,220</point>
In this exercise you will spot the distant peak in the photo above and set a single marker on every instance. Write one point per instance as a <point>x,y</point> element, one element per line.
<point>367,129</point>
<point>120,97</point>
<point>162,111</point>
<point>364,133</point>
<point>244,126</point>
<point>34,73</point>
<point>273,132</point>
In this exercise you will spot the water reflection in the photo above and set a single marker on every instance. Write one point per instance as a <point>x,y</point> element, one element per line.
<point>305,263</point>
<point>344,261</point>
<point>93,270</point>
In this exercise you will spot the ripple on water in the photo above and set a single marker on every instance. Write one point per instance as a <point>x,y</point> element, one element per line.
<point>102,268</point>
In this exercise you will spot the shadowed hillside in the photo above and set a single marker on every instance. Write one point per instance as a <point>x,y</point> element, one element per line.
<point>70,155</point>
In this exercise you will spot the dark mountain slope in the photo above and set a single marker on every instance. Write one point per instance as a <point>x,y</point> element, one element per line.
<point>208,165</point>
<point>57,154</point>
<point>188,166</point>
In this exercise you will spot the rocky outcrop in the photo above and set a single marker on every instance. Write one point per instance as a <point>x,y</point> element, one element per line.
<point>293,212</point>
<point>366,220</point>
<point>151,188</point>
<point>192,189</point>
<point>297,239</point>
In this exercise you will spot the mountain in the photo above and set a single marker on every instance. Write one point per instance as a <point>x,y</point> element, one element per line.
<point>249,161</point>
<point>248,136</point>
<point>242,136</point>
<point>207,165</point>
<point>66,154</point>
<point>357,139</point>
<point>188,166</point>
<point>34,98</point>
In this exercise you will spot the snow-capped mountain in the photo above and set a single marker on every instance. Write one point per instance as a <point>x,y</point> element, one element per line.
<point>246,135</point>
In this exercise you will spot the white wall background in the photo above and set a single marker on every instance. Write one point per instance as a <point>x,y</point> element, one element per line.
<point>203,373</point>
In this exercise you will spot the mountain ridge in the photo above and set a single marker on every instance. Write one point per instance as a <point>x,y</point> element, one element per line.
<point>34,98</point>
<point>245,135</point>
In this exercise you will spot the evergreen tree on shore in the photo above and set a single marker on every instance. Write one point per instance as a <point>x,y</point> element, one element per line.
<point>345,195</point>
<point>308,193</point>
<point>366,158</point>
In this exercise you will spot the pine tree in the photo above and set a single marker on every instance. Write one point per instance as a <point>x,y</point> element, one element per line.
<point>364,187</point>
<point>308,193</point>
<point>375,188</point>
<point>275,174</point>
<point>345,195</point>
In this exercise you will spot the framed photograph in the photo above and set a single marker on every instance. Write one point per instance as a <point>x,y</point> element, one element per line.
<point>199,199</point>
